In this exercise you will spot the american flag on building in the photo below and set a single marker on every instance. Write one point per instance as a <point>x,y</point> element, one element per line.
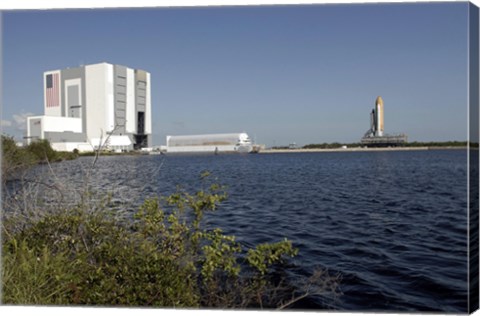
<point>52,90</point>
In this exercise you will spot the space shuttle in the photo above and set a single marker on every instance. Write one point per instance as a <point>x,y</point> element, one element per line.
<point>376,118</point>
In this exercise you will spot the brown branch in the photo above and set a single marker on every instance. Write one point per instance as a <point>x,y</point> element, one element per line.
<point>294,300</point>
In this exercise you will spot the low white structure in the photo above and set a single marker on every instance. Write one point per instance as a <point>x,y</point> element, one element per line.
<point>65,132</point>
<point>209,143</point>
<point>116,142</point>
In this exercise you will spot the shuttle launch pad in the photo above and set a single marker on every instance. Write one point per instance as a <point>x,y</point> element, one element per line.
<point>375,136</point>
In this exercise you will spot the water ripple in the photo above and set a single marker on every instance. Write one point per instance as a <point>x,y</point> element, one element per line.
<point>394,224</point>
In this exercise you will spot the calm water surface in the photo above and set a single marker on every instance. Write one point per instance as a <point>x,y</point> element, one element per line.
<point>394,224</point>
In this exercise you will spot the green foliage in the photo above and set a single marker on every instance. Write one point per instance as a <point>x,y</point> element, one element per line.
<point>437,144</point>
<point>18,159</point>
<point>219,254</point>
<point>265,255</point>
<point>42,150</point>
<point>163,257</point>
<point>14,159</point>
<point>325,146</point>
<point>35,276</point>
<point>81,258</point>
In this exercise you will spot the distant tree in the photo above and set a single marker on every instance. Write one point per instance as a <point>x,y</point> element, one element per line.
<point>14,159</point>
<point>42,150</point>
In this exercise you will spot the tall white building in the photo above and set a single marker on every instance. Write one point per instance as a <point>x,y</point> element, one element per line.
<point>87,106</point>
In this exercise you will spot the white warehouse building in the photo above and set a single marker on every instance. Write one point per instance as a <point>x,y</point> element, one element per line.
<point>209,143</point>
<point>95,105</point>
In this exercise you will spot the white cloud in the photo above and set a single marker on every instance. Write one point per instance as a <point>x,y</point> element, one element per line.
<point>5,123</point>
<point>20,120</point>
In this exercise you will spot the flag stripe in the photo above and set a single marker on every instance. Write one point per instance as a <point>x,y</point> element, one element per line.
<point>52,90</point>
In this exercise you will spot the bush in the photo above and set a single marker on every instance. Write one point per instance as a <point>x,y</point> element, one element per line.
<point>163,257</point>
<point>42,150</point>
<point>14,159</point>
<point>87,259</point>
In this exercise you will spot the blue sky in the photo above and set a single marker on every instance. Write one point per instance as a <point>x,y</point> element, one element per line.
<point>297,73</point>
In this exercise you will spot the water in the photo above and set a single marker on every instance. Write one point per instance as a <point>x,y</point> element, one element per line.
<point>394,224</point>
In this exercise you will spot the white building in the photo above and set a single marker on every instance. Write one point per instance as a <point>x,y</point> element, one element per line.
<point>95,105</point>
<point>210,143</point>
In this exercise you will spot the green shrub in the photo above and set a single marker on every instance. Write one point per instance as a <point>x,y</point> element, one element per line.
<point>35,276</point>
<point>14,159</point>
<point>162,257</point>
<point>92,260</point>
<point>264,255</point>
<point>42,150</point>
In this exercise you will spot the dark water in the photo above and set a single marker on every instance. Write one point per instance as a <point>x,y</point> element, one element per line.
<point>394,224</point>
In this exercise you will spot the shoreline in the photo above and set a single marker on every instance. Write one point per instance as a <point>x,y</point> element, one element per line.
<point>356,149</point>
